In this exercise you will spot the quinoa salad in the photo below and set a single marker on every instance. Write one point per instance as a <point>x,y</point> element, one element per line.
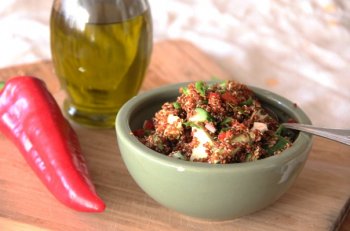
<point>217,123</point>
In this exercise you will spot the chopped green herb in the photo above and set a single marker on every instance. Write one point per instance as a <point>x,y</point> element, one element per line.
<point>226,121</point>
<point>191,124</point>
<point>185,91</point>
<point>200,88</point>
<point>223,84</point>
<point>176,105</point>
<point>279,130</point>
<point>280,144</point>
<point>248,102</point>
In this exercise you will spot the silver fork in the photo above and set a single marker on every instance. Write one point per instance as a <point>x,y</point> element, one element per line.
<point>339,135</point>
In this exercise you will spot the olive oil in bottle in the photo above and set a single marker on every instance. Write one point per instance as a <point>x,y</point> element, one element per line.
<point>100,54</point>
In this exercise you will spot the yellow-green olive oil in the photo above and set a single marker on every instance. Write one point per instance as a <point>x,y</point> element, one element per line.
<point>100,65</point>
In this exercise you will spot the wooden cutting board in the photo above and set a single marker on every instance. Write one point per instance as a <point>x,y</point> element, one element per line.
<point>319,199</point>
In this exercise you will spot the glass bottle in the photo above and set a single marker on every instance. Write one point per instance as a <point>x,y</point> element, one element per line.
<point>100,52</point>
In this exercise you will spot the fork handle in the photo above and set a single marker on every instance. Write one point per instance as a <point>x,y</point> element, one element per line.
<point>339,135</point>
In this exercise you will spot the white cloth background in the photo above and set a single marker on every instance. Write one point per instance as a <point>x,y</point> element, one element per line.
<point>299,49</point>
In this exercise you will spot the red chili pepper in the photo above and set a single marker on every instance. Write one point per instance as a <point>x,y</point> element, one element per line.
<point>213,97</point>
<point>32,119</point>
<point>139,132</point>
<point>225,135</point>
<point>229,98</point>
<point>148,125</point>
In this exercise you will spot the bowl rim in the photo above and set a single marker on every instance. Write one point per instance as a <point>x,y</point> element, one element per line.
<point>124,132</point>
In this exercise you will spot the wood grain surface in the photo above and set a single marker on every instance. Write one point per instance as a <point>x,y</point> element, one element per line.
<point>319,199</point>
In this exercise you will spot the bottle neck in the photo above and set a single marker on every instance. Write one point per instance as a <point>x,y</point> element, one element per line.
<point>101,11</point>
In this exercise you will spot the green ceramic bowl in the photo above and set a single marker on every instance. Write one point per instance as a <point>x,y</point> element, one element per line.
<point>209,191</point>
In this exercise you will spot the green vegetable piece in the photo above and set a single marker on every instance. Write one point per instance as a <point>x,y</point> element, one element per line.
<point>242,138</point>
<point>279,130</point>
<point>280,144</point>
<point>226,121</point>
<point>178,155</point>
<point>191,124</point>
<point>223,84</point>
<point>2,84</point>
<point>176,105</point>
<point>201,115</point>
<point>248,102</point>
<point>234,152</point>
<point>248,157</point>
<point>185,91</point>
<point>158,142</point>
<point>200,87</point>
